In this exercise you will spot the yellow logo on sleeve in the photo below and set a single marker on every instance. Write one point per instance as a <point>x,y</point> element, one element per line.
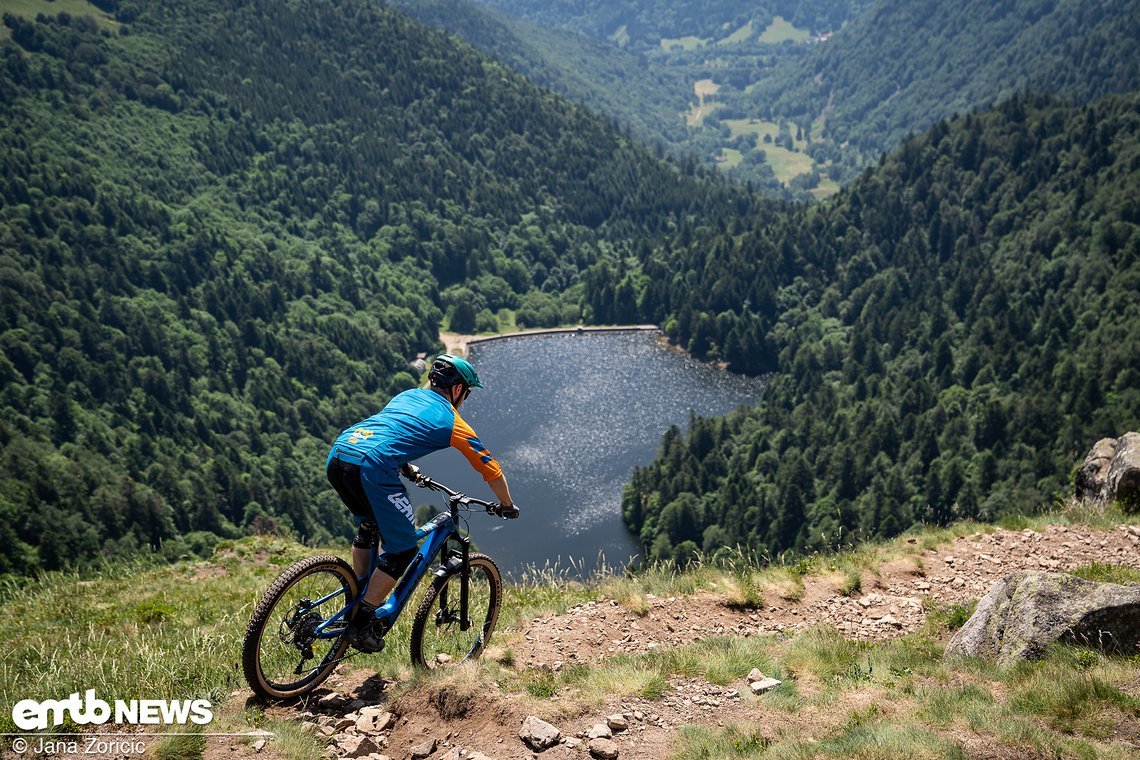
<point>359,434</point>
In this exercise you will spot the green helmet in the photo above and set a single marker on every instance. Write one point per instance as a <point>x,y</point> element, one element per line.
<point>447,370</point>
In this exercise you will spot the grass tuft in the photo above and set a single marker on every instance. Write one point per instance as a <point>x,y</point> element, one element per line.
<point>1104,572</point>
<point>1072,700</point>
<point>942,618</point>
<point>734,740</point>
<point>186,746</point>
<point>742,591</point>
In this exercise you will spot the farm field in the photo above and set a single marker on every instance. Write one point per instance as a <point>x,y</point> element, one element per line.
<point>703,88</point>
<point>743,34</point>
<point>760,128</point>
<point>730,157</point>
<point>826,188</point>
<point>786,164</point>
<point>683,43</point>
<point>781,30</point>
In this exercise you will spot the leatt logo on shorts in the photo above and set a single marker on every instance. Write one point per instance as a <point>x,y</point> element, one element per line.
<point>400,502</point>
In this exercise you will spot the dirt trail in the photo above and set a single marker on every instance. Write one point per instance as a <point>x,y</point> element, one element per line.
<point>890,603</point>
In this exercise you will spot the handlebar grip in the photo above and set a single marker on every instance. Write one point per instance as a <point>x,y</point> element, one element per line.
<point>507,513</point>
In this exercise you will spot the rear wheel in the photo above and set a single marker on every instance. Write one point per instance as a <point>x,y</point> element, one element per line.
<point>282,655</point>
<point>438,635</point>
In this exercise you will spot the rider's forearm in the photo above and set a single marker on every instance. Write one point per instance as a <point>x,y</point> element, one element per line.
<point>502,493</point>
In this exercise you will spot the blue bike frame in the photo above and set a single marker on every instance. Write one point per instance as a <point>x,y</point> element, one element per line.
<point>438,531</point>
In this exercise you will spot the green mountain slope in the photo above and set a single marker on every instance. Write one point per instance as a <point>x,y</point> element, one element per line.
<point>902,66</point>
<point>225,229</point>
<point>952,332</point>
<point>686,50</point>
<point>643,24</point>
<point>796,119</point>
<point>646,97</point>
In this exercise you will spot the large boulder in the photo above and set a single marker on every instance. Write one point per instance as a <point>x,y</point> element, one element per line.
<point>1026,612</point>
<point>1111,471</point>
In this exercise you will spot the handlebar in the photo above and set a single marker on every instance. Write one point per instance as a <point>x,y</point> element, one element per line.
<point>456,499</point>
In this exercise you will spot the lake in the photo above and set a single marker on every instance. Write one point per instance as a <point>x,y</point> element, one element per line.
<point>569,417</point>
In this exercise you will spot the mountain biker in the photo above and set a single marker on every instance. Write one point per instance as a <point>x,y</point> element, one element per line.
<point>364,467</point>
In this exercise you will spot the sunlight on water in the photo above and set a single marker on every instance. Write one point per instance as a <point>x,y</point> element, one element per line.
<point>570,416</point>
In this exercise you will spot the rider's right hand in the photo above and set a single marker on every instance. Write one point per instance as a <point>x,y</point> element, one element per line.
<point>410,471</point>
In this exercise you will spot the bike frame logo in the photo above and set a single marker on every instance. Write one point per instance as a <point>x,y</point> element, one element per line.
<point>31,715</point>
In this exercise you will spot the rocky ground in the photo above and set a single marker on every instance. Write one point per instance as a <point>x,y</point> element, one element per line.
<point>354,715</point>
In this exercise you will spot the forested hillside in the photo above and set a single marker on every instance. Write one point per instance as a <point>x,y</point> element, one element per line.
<point>643,24</point>
<point>645,97</point>
<point>797,98</point>
<point>905,64</point>
<point>951,333</point>
<point>227,226</point>
<point>657,65</point>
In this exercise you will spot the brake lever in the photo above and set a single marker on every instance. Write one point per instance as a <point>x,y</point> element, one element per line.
<point>500,511</point>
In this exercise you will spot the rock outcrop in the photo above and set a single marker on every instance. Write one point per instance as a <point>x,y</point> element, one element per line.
<point>1111,471</point>
<point>1026,612</point>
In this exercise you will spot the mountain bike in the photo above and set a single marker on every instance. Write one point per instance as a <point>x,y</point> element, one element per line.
<point>297,634</point>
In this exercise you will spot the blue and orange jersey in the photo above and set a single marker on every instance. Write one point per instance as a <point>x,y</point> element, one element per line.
<point>413,424</point>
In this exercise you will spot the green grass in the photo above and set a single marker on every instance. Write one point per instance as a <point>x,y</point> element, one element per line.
<point>169,632</point>
<point>185,746</point>
<point>1073,695</point>
<point>723,661</point>
<point>944,704</point>
<point>734,740</point>
<point>684,43</point>
<point>730,157</point>
<point>827,187</point>
<point>786,164</point>
<point>1103,572</point>
<point>740,35</point>
<point>758,127</point>
<point>696,114</point>
<point>29,9</point>
<point>949,617</point>
<point>781,30</point>
<point>912,704</point>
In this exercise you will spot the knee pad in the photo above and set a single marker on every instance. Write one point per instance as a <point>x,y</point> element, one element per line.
<point>367,535</point>
<point>395,563</point>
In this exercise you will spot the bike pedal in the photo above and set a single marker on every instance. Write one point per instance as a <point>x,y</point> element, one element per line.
<point>369,646</point>
<point>367,640</point>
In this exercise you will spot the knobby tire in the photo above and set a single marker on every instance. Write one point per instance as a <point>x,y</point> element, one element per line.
<point>436,630</point>
<point>256,631</point>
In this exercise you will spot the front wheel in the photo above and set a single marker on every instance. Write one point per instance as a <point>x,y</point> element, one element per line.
<point>440,637</point>
<point>290,646</point>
